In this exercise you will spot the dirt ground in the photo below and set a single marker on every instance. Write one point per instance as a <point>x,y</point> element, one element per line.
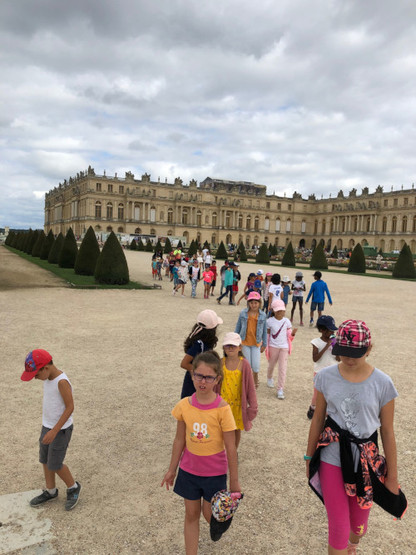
<point>121,350</point>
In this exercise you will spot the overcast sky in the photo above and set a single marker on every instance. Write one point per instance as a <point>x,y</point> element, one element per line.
<point>310,96</point>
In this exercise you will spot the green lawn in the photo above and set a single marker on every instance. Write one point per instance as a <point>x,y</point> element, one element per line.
<point>73,279</point>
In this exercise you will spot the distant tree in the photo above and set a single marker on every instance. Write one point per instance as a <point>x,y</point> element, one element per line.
<point>140,246</point>
<point>69,251</point>
<point>111,265</point>
<point>21,241</point>
<point>206,245</point>
<point>158,247</point>
<point>9,238</point>
<point>405,267</point>
<point>380,251</point>
<point>37,247</point>
<point>56,249</point>
<point>273,251</point>
<point>335,252</point>
<point>149,247</point>
<point>133,245</point>
<point>270,248</point>
<point>262,256</point>
<point>168,246</point>
<point>318,260</point>
<point>289,256</point>
<point>33,237</point>
<point>221,252</point>
<point>88,254</point>
<point>179,245</point>
<point>193,248</point>
<point>243,254</point>
<point>356,264</point>
<point>47,245</point>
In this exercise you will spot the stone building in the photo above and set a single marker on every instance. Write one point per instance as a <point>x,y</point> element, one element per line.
<point>230,211</point>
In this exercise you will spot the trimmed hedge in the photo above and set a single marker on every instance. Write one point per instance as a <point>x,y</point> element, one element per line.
<point>47,245</point>
<point>289,256</point>
<point>221,253</point>
<point>56,249</point>
<point>69,251</point>
<point>357,260</point>
<point>318,260</point>
<point>262,256</point>
<point>37,247</point>
<point>88,254</point>
<point>111,265</point>
<point>404,267</point>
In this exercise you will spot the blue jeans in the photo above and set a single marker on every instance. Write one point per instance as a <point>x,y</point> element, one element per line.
<point>252,354</point>
<point>194,282</point>
<point>228,290</point>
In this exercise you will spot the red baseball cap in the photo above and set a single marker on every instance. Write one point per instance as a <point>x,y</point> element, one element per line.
<point>352,339</point>
<point>35,361</point>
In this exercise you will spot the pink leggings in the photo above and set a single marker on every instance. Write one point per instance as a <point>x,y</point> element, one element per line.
<point>278,356</point>
<point>344,513</point>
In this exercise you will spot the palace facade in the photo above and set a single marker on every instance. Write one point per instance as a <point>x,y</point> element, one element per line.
<point>230,211</point>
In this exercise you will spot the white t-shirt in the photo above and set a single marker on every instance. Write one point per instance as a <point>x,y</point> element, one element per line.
<point>298,288</point>
<point>208,259</point>
<point>276,290</point>
<point>195,271</point>
<point>280,340</point>
<point>53,403</point>
<point>327,359</point>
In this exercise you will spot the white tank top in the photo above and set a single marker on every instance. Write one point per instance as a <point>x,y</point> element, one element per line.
<point>53,403</point>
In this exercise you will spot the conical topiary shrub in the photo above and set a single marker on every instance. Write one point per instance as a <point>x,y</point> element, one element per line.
<point>47,245</point>
<point>262,257</point>
<point>405,267</point>
<point>193,248</point>
<point>21,241</point>
<point>30,241</point>
<point>37,247</point>
<point>140,246</point>
<point>88,254</point>
<point>69,251</point>
<point>335,252</point>
<point>221,253</point>
<point>273,250</point>
<point>168,246</point>
<point>148,247</point>
<point>243,254</point>
<point>56,249</point>
<point>133,245</point>
<point>111,265</point>
<point>356,264</point>
<point>179,245</point>
<point>318,260</point>
<point>289,256</point>
<point>158,247</point>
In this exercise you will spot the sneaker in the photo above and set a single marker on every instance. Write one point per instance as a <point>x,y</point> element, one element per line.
<point>72,497</point>
<point>218,301</point>
<point>42,498</point>
<point>183,295</point>
<point>310,412</point>
<point>174,292</point>
<point>352,548</point>
<point>301,324</point>
<point>270,383</point>
<point>280,394</point>
<point>311,322</point>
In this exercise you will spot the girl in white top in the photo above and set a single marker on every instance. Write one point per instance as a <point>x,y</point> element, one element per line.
<point>322,352</point>
<point>280,333</point>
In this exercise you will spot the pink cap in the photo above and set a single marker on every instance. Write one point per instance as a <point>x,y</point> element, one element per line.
<point>278,305</point>
<point>254,296</point>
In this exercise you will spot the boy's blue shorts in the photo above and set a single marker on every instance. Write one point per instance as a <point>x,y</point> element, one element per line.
<point>192,487</point>
<point>320,306</point>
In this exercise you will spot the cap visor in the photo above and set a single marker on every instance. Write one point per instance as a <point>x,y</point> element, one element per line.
<point>27,376</point>
<point>349,351</point>
<point>217,529</point>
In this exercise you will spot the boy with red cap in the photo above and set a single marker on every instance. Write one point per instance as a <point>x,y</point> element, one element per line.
<point>58,406</point>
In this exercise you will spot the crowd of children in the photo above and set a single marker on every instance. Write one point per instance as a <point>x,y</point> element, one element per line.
<point>351,399</point>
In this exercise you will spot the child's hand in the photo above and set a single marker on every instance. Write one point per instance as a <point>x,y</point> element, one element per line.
<point>48,437</point>
<point>294,330</point>
<point>168,479</point>
<point>235,486</point>
<point>392,485</point>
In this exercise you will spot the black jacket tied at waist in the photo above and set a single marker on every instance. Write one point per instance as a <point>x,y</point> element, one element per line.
<point>367,483</point>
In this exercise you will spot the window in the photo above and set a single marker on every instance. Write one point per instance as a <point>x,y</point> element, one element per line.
<point>136,212</point>
<point>170,216</point>
<point>98,209</point>
<point>121,211</point>
<point>414,224</point>
<point>227,220</point>
<point>266,224</point>
<point>404,224</point>
<point>384,225</point>
<point>323,227</point>
<point>277,225</point>
<point>394,224</point>
<point>279,206</point>
<point>289,207</point>
<point>185,216</point>
<point>121,189</point>
<point>109,211</point>
<point>267,204</point>
<point>110,188</point>
<point>240,221</point>
<point>386,202</point>
<point>98,187</point>
<point>152,214</point>
<point>248,222</point>
<point>288,223</point>
<point>256,223</point>
<point>368,223</point>
<point>355,224</point>
<point>303,227</point>
<point>395,202</point>
<point>406,201</point>
<point>199,218</point>
<point>214,219</point>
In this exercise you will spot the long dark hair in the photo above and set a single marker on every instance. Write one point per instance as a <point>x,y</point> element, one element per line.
<point>207,336</point>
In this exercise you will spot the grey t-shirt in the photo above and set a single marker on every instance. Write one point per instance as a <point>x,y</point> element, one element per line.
<point>354,406</point>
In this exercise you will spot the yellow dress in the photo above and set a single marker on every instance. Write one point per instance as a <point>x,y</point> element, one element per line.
<point>231,389</point>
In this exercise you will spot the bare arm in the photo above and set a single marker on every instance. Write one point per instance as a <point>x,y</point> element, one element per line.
<point>177,449</point>
<point>66,392</point>
<point>316,354</point>
<point>186,363</point>
<point>389,446</point>
<point>229,442</point>
<point>317,425</point>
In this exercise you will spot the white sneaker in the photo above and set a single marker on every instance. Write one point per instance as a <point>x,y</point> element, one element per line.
<point>183,295</point>
<point>280,394</point>
<point>270,383</point>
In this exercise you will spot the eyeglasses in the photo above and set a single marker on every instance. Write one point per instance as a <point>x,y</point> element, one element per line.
<point>208,379</point>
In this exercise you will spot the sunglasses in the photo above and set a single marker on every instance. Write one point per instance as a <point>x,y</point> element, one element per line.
<point>208,379</point>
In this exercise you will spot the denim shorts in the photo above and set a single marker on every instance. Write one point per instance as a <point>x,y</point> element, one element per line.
<point>192,487</point>
<point>297,299</point>
<point>320,306</point>
<point>53,455</point>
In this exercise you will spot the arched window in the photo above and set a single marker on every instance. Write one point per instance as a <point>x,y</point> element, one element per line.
<point>256,223</point>
<point>368,223</point>
<point>170,216</point>
<point>394,224</point>
<point>184,216</point>
<point>303,230</point>
<point>120,229</point>
<point>277,225</point>
<point>288,223</point>
<point>315,227</point>
<point>98,209</point>
<point>323,227</point>
<point>162,216</point>
<point>109,229</point>
<point>266,224</point>
<point>228,220</point>
<point>121,211</point>
<point>137,212</point>
<point>240,221</point>
<point>109,210</point>
<point>414,224</point>
<point>404,224</point>
<point>153,214</point>
<point>355,224</point>
<point>331,226</point>
<point>248,222</point>
<point>384,225</point>
<point>199,218</point>
<point>214,219</point>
